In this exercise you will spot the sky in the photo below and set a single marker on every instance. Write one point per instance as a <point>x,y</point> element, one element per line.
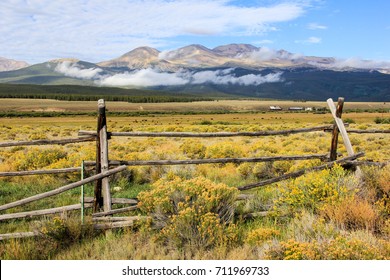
<point>36,31</point>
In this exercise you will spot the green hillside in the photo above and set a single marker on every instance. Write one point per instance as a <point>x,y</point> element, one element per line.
<point>90,93</point>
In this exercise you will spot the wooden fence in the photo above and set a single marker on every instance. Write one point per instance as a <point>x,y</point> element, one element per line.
<point>102,201</point>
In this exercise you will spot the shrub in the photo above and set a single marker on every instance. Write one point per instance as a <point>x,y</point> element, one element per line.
<point>379,120</point>
<point>224,150</point>
<point>348,247</point>
<point>314,189</point>
<point>65,231</point>
<point>352,248</point>
<point>192,212</point>
<point>37,158</point>
<point>193,148</point>
<point>260,235</point>
<point>294,250</point>
<point>352,214</point>
<point>384,180</point>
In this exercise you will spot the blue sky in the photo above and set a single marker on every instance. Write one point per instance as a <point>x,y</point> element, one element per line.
<point>97,30</point>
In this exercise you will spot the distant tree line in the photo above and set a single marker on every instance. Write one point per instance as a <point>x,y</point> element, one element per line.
<point>88,93</point>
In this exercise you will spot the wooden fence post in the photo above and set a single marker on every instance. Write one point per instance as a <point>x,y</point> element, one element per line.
<point>102,187</point>
<point>335,133</point>
<point>341,127</point>
<point>98,199</point>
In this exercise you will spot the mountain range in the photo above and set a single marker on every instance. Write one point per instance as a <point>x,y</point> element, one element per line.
<point>238,69</point>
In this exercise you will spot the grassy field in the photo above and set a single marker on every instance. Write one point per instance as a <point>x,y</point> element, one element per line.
<point>47,105</point>
<point>330,214</point>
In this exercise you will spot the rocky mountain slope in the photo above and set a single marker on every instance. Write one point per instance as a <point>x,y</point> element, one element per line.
<point>10,64</point>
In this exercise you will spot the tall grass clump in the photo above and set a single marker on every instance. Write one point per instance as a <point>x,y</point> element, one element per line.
<point>195,212</point>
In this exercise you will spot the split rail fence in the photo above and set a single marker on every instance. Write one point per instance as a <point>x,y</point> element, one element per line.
<point>102,201</point>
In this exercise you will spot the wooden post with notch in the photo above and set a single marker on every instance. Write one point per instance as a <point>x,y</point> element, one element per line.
<point>341,127</point>
<point>102,187</point>
<point>343,131</point>
<point>335,133</point>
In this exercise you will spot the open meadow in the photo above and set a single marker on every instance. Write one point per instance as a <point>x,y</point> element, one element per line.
<point>196,211</point>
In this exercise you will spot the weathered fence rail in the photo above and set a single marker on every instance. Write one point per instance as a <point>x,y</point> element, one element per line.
<point>208,134</point>
<point>102,196</point>
<point>40,172</point>
<point>300,172</point>
<point>211,160</point>
<point>48,142</point>
<point>62,189</point>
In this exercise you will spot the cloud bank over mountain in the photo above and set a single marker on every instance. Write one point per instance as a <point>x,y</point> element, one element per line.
<point>73,70</point>
<point>152,77</point>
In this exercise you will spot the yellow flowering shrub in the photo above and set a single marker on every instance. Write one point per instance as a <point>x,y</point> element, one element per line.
<point>314,189</point>
<point>193,148</point>
<point>294,250</point>
<point>54,228</point>
<point>260,235</point>
<point>196,211</point>
<point>224,149</point>
<point>339,248</point>
<point>384,179</point>
<point>36,158</point>
<point>343,248</point>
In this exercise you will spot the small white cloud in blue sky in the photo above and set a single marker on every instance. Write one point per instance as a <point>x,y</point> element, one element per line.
<point>310,40</point>
<point>315,26</point>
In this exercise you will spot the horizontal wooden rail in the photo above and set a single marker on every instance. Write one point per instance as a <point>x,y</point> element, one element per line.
<point>300,172</point>
<point>116,224</point>
<point>43,212</point>
<point>19,235</point>
<point>118,219</point>
<point>209,161</point>
<point>48,142</point>
<point>62,189</point>
<point>115,211</point>
<point>365,131</point>
<point>208,134</point>
<point>40,172</point>
<point>115,200</point>
<point>368,131</point>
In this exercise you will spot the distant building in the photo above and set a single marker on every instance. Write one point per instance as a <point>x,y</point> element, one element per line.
<point>275,108</point>
<point>309,109</point>
<point>296,108</point>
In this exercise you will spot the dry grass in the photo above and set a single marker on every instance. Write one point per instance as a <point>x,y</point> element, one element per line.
<point>368,210</point>
<point>48,105</point>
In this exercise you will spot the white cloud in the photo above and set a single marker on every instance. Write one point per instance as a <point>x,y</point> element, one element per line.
<point>315,26</point>
<point>71,69</point>
<point>144,78</point>
<point>151,77</point>
<point>224,77</point>
<point>310,40</point>
<point>357,63</point>
<point>266,54</point>
<point>98,30</point>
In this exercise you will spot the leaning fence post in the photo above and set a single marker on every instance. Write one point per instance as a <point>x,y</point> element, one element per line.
<point>341,127</point>
<point>343,131</point>
<point>335,133</point>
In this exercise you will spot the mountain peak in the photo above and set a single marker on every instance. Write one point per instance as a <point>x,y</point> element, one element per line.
<point>10,64</point>
<point>141,57</point>
<point>144,51</point>
<point>232,50</point>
